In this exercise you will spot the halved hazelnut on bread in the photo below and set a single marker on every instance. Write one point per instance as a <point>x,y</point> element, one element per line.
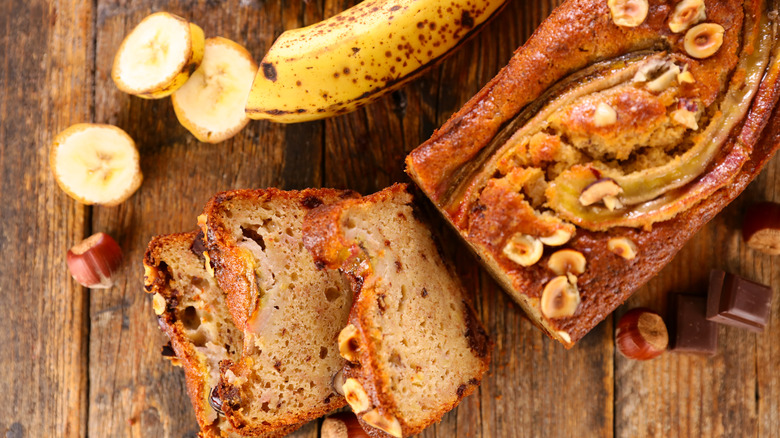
<point>356,396</point>
<point>567,261</point>
<point>337,382</point>
<point>523,249</point>
<point>623,247</point>
<point>598,190</point>
<point>388,424</point>
<point>560,298</point>
<point>686,14</point>
<point>703,40</point>
<point>558,238</point>
<point>628,13</point>
<point>348,343</point>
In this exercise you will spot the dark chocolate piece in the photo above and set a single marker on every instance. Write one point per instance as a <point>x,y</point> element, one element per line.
<point>738,302</point>
<point>693,333</point>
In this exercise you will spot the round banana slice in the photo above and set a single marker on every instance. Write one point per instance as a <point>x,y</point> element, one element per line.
<point>96,164</point>
<point>158,56</point>
<point>211,104</point>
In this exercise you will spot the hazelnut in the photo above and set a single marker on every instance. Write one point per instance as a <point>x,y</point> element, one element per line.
<point>158,304</point>
<point>348,343</point>
<point>623,247</point>
<point>337,382</point>
<point>523,249</point>
<point>703,40</point>
<point>686,77</point>
<point>604,115</point>
<point>564,336</point>
<point>597,190</point>
<point>388,424</point>
<point>342,425</point>
<point>612,203</point>
<point>628,13</point>
<point>641,335</point>
<point>685,118</point>
<point>665,79</point>
<point>686,14</point>
<point>560,298</point>
<point>558,238</point>
<point>93,262</point>
<point>761,227</point>
<point>565,261</point>
<point>356,396</point>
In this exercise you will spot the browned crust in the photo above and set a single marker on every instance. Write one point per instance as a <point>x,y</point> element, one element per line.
<point>325,239</point>
<point>577,34</point>
<point>196,373</point>
<point>236,280</point>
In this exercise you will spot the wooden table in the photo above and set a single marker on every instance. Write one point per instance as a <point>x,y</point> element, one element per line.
<point>77,362</point>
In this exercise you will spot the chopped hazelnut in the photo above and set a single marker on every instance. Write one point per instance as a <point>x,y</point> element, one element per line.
<point>560,298</point>
<point>558,238</point>
<point>389,424</point>
<point>158,304</point>
<point>598,190</point>
<point>564,336</point>
<point>604,115</point>
<point>686,78</point>
<point>523,249</point>
<point>686,14</point>
<point>612,203</point>
<point>703,40</point>
<point>623,247</point>
<point>628,13</point>
<point>666,78</point>
<point>356,396</point>
<point>348,345</point>
<point>567,260</point>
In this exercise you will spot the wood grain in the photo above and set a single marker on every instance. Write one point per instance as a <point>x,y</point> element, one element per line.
<point>80,363</point>
<point>46,78</point>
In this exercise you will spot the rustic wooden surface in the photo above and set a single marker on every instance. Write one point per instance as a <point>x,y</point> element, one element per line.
<point>75,362</point>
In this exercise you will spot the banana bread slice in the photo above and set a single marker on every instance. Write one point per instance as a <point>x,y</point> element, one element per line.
<point>289,311</point>
<point>414,345</point>
<point>191,310</point>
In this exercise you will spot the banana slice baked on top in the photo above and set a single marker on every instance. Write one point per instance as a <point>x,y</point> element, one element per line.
<point>289,311</point>
<point>191,310</point>
<point>414,345</point>
<point>616,132</point>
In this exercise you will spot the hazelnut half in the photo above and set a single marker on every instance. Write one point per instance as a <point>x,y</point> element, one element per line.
<point>348,343</point>
<point>628,13</point>
<point>598,190</point>
<point>565,261</point>
<point>356,396</point>
<point>342,425</point>
<point>523,249</point>
<point>604,115</point>
<point>158,304</point>
<point>388,424</point>
<point>94,260</point>
<point>558,238</point>
<point>703,40</point>
<point>686,14</point>
<point>623,247</point>
<point>560,298</point>
<point>337,382</point>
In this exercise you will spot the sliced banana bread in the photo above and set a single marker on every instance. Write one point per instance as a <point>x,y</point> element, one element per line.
<point>289,311</point>
<point>414,345</point>
<point>191,311</point>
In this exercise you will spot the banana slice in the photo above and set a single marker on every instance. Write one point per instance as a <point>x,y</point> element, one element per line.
<point>211,104</point>
<point>96,164</point>
<point>158,56</point>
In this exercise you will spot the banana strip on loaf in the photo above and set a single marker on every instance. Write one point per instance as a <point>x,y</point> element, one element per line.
<point>290,312</point>
<point>414,346</point>
<point>191,310</point>
<point>616,132</point>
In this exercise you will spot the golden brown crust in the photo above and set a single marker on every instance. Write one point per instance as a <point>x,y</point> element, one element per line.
<point>325,237</point>
<point>576,35</point>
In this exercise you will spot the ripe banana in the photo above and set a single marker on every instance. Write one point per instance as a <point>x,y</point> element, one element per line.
<point>355,57</point>
<point>96,164</point>
<point>211,104</point>
<point>158,56</point>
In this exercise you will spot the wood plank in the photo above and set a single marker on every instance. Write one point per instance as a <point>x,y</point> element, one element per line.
<point>133,391</point>
<point>46,67</point>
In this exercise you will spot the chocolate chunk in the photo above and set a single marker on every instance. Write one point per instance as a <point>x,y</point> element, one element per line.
<point>693,333</point>
<point>738,302</point>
